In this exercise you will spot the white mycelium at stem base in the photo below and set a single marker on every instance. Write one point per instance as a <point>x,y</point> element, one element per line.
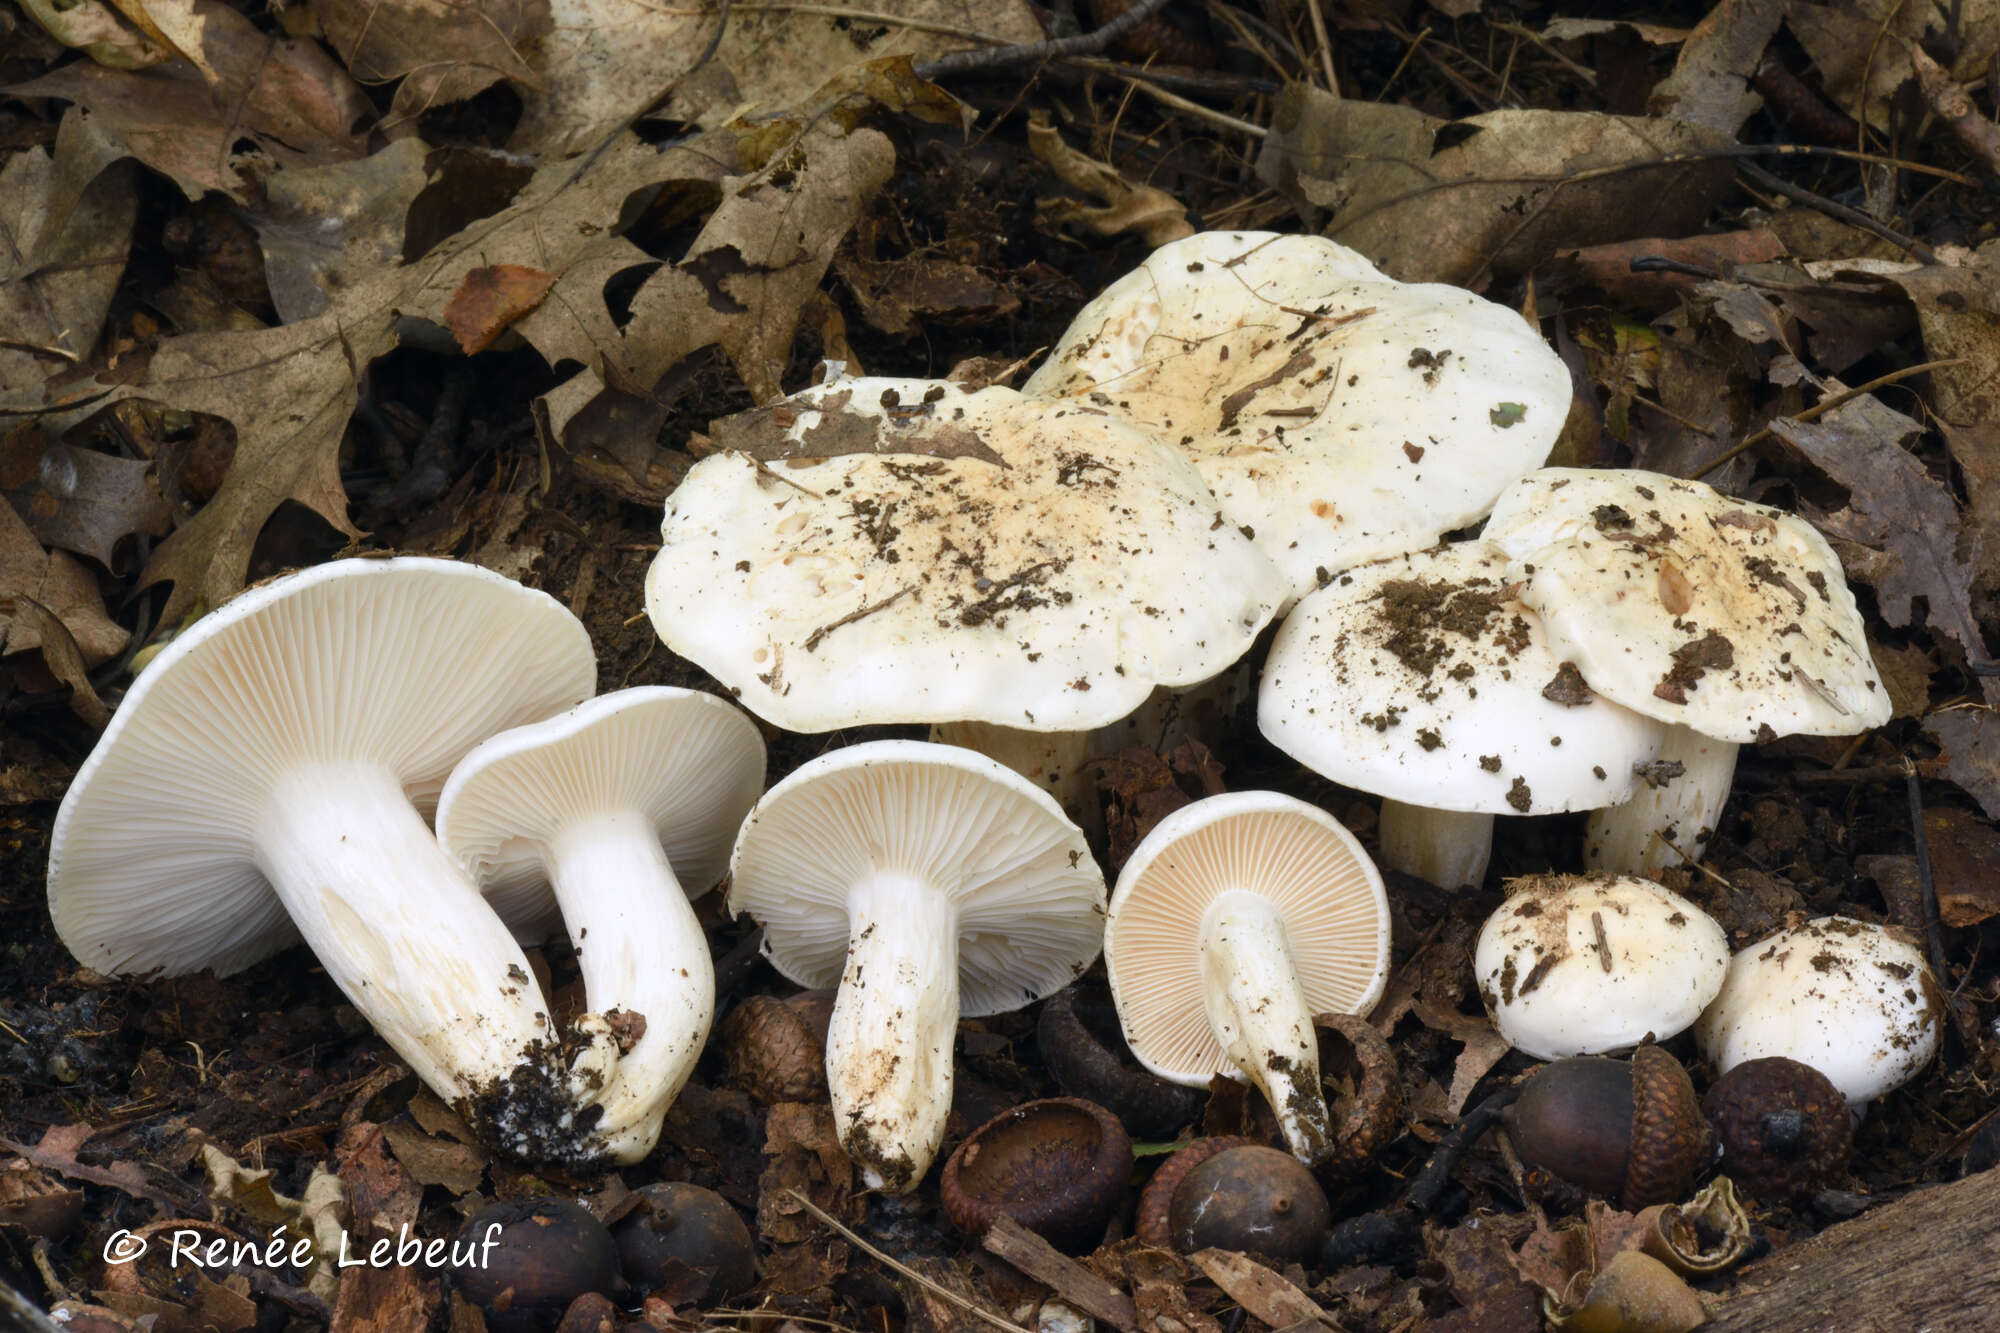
<point>398,926</point>
<point>895,1019</point>
<point>637,942</point>
<point>1682,810</point>
<point>1251,993</point>
<point>1449,848</point>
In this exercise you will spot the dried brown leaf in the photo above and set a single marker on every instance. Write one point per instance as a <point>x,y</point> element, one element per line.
<point>322,228</point>
<point>1971,741</point>
<point>491,298</point>
<point>443,50</point>
<point>1710,84</point>
<point>88,502</point>
<point>57,582</point>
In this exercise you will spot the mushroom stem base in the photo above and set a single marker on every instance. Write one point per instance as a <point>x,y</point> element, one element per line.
<point>1259,1014</point>
<point>895,1021</point>
<point>1620,838</point>
<point>643,956</point>
<point>1448,848</point>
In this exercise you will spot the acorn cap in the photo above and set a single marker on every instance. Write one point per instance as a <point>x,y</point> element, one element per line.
<point>1669,1136</point>
<point>1630,1130</point>
<point>1058,1166</point>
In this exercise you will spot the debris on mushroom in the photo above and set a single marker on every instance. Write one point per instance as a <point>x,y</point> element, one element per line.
<point>1338,414</point>
<point>1588,964</point>
<point>617,812</point>
<point>1236,920</point>
<point>894,550</point>
<point>1729,621</point>
<point>925,881</point>
<point>267,777</point>
<point>1843,996</point>
<point>1423,679</point>
<point>1058,1166</point>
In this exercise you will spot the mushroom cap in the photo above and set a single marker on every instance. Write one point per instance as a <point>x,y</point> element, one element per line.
<point>1030,899</point>
<point>1843,996</point>
<point>1340,414</point>
<point>404,662</point>
<point>688,761</point>
<point>889,550</point>
<point>1422,679</point>
<point>1584,964</point>
<point>1295,855</point>
<point>1691,606</point>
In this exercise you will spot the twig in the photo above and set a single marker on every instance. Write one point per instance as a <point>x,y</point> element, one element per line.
<point>1821,408</point>
<point>853,1237</point>
<point>1854,217</point>
<point>1175,100</point>
<point>1947,97</point>
<point>818,636</point>
<point>1325,46</point>
<point>1933,931</point>
<point>1003,57</point>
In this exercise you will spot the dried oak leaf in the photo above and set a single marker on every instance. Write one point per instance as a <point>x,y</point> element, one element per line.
<point>1857,41</point>
<point>1971,741</point>
<point>1710,84</point>
<point>85,501</point>
<point>443,50</point>
<point>1496,194</point>
<point>490,299</point>
<point>58,584</point>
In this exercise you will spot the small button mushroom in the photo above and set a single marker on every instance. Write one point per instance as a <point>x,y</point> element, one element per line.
<point>542,1256</point>
<point>1058,1166</point>
<point>1844,996</point>
<point>1588,964</point>
<point>1253,1199</point>
<point>689,1237</point>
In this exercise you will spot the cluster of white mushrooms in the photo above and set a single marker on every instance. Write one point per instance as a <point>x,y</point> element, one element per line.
<point>372,754</point>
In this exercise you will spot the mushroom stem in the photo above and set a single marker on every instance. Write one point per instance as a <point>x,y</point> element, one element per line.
<point>895,1020</point>
<point>1056,761</point>
<point>401,929</point>
<point>1684,809</point>
<point>642,953</point>
<point>1259,1013</point>
<point>1448,848</point>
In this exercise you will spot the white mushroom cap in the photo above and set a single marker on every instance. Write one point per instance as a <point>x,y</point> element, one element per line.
<point>1341,415</point>
<point>619,810</point>
<point>687,761</point>
<point>1848,998</point>
<point>925,881</point>
<point>878,550</point>
<point>1296,857</point>
<point>406,663</point>
<point>1421,678</point>
<point>1585,964</point>
<point>1731,618</point>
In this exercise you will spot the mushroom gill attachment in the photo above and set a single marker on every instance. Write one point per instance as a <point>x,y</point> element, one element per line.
<point>679,1230</point>
<point>1253,1199</point>
<point>1784,1128</point>
<point>775,1050</point>
<point>542,1257</point>
<point>1082,1047</point>
<point>1629,1130</point>
<point>1059,1167</point>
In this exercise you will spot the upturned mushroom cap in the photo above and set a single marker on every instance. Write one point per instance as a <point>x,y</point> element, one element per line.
<point>687,761</point>
<point>1341,415</point>
<point>880,550</point>
<point>1843,996</point>
<point>1421,678</point>
<point>1585,964</point>
<point>405,662</point>
<point>1679,602</point>
<point>1312,870</point>
<point>1028,896</point>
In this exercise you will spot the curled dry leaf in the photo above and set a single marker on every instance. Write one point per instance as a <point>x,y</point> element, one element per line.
<point>443,51</point>
<point>1151,214</point>
<point>490,299</point>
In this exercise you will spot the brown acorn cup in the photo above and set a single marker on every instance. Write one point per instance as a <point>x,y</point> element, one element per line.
<point>1059,1167</point>
<point>1629,1130</point>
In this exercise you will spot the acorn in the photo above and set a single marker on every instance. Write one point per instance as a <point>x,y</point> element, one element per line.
<point>545,1255</point>
<point>1628,1130</point>
<point>1256,1200</point>
<point>1153,1223</point>
<point>690,1236</point>
<point>1784,1128</point>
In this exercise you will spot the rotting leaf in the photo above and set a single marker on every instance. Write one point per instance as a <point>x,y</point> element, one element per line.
<point>1146,211</point>
<point>1971,741</point>
<point>88,502</point>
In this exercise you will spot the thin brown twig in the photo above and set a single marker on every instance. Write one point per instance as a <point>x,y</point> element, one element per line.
<point>1822,407</point>
<point>853,1237</point>
<point>1325,46</point>
<point>1854,217</point>
<point>1175,100</point>
<point>1002,57</point>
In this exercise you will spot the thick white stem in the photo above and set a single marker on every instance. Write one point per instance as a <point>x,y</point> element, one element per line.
<point>1258,1012</point>
<point>895,1020</point>
<point>642,952</point>
<point>1056,761</point>
<point>400,928</point>
<point>1620,838</point>
<point>1448,848</point>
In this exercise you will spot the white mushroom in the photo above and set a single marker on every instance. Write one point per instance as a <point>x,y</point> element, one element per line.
<point>1236,920</point>
<point>1587,964</point>
<point>1844,996</point>
<point>618,812</point>
<point>876,551</point>
<point>1729,621</point>
<point>927,882</point>
<point>1424,680</point>
<point>1341,415</point>
<point>265,778</point>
